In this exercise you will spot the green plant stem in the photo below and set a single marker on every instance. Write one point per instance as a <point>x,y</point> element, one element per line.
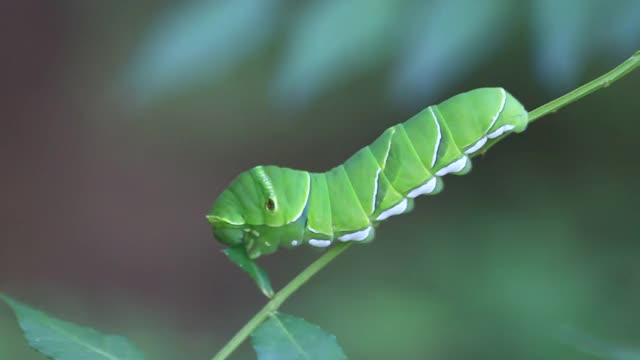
<point>279,298</point>
<point>603,81</point>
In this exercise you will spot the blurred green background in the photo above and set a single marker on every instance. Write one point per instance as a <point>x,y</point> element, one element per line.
<point>122,122</point>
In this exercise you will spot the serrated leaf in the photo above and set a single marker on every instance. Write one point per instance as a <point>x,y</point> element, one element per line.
<point>444,40</point>
<point>286,337</point>
<point>198,41</point>
<point>61,340</point>
<point>331,41</point>
<point>239,257</point>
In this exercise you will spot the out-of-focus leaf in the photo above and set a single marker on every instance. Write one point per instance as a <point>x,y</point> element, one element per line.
<point>598,347</point>
<point>420,324</point>
<point>286,337</point>
<point>624,33</point>
<point>198,41</point>
<point>239,257</point>
<point>562,40</point>
<point>444,40</point>
<point>61,340</point>
<point>331,41</point>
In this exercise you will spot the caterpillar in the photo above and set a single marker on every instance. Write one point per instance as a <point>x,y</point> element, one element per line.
<point>268,207</point>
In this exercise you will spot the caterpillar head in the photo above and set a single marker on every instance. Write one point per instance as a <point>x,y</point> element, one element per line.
<point>255,211</point>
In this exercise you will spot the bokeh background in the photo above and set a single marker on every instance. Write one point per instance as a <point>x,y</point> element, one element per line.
<point>122,121</point>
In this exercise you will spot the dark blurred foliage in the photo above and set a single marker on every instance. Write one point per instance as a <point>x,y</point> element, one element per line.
<point>121,122</point>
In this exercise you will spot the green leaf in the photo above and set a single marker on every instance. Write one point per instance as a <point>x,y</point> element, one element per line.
<point>598,347</point>
<point>331,41</point>
<point>438,40</point>
<point>239,257</point>
<point>199,41</point>
<point>286,337</point>
<point>623,34</point>
<point>61,340</point>
<point>563,33</point>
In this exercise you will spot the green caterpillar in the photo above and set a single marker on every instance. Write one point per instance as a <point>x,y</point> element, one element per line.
<point>269,206</point>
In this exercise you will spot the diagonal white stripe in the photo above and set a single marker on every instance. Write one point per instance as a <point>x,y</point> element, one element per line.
<point>376,183</point>
<point>500,110</point>
<point>295,218</point>
<point>439,139</point>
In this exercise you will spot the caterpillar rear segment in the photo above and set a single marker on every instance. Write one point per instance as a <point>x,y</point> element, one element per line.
<point>269,207</point>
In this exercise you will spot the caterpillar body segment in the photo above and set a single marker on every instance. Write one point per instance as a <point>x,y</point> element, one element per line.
<point>269,207</point>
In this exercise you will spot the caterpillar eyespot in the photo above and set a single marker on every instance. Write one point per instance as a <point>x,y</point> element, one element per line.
<point>379,181</point>
<point>270,205</point>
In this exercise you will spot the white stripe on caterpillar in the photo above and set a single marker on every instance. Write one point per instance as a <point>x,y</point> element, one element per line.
<point>439,139</point>
<point>356,236</point>
<point>500,110</point>
<point>501,130</point>
<point>477,146</point>
<point>395,210</point>
<point>306,200</point>
<point>454,167</point>
<point>375,190</point>
<point>428,187</point>
<point>319,243</point>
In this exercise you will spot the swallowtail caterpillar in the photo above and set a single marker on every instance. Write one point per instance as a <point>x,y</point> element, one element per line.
<point>269,206</point>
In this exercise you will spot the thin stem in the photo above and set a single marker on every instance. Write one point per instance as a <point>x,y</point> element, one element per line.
<point>586,89</point>
<point>279,298</point>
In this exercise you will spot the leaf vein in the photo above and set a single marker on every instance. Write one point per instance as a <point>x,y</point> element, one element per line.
<point>291,338</point>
